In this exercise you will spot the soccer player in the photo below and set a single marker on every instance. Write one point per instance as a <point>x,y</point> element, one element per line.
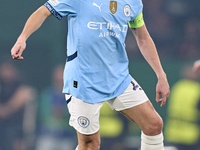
<point>96,69</point>
<point>196,66</point>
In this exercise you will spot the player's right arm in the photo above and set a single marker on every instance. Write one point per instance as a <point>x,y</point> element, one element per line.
<point>32,24</point>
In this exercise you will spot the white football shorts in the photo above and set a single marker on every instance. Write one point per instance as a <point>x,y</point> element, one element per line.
<point>85,116</point>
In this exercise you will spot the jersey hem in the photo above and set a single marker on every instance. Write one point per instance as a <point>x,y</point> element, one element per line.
<point>124,85</point>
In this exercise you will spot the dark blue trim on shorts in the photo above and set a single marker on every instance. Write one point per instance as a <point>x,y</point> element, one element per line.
<point>135,86</point>
<point>52,10</point>
<point>69,100</point>
<point>71,57</point>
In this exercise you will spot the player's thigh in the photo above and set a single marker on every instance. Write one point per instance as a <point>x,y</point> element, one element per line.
<point>84,117</point>
<point>131,97</point>
<point>146,117</point>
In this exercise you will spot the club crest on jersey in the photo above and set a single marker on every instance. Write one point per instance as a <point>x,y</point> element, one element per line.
<point>113,7</point>
<point>54,2</point>
<point>127,10</point>
<point>83,121</point>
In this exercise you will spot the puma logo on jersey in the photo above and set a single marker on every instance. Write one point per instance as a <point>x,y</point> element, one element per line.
<point>94,4</point>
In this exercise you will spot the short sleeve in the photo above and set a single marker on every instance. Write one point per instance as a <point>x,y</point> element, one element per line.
<point>137,22</point>
<point>60,8</point>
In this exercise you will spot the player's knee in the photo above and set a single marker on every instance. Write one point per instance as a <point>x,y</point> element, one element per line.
<point>159,125</point>
<point>91,145</point>
<point>154,127</point>
<point>94,147</point>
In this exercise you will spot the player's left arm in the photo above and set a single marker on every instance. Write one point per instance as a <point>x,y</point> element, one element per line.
<point>149,51</point>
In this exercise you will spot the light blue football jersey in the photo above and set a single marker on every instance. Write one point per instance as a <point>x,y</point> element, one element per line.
<point>97,66</point>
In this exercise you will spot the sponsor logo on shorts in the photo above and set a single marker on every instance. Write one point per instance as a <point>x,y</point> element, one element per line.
<point>83,121</point>
<point>54,2</point>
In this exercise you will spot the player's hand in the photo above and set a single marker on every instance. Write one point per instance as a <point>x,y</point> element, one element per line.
<point>196,66</point>
<point>162,90</point>
<point>17,49</point>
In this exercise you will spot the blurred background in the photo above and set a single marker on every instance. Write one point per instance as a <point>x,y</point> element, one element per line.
<point>33,112</point>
